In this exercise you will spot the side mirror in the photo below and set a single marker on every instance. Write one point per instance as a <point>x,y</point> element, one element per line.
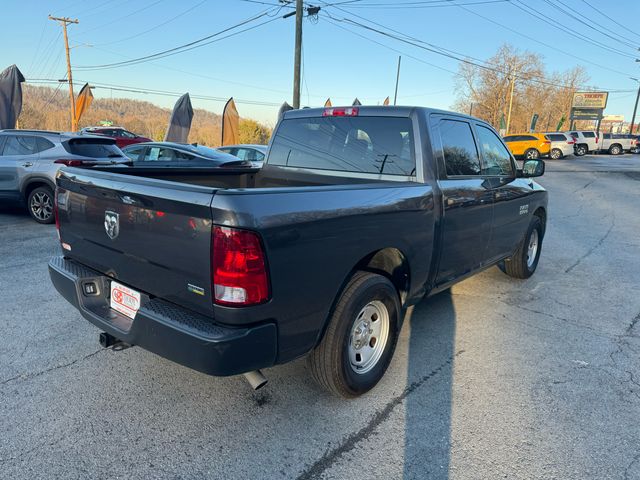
<point>532,168</point>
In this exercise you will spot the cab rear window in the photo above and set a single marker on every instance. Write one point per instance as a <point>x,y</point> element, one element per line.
<point>379,145</point>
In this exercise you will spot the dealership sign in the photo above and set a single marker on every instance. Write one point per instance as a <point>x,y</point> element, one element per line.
<point>590,100</point>
<point>586,114</point>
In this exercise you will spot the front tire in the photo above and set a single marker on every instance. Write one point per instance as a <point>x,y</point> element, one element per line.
<point>360,339</point>
<point>532,154</point>
<point>40,205</point>
<point>523,263</point>
<point>581,150</point>
<point>556,154</point>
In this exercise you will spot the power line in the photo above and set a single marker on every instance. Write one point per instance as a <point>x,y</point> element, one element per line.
<point>616,22</point>
<point>417,5</point>
<point>554,48</point>
<point>184,47</point>
<point>531,12</point>
<point>156,26</point>
<point>100,27</point>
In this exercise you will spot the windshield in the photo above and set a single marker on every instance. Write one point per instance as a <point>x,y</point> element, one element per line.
<point>348,144</point>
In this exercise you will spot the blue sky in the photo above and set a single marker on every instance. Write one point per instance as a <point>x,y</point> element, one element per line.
<point>257,64</point>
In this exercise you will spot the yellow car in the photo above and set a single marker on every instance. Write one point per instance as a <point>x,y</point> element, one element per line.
<point>528,145</point>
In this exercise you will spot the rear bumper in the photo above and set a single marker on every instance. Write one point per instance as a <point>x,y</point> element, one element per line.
<point>168,330</point>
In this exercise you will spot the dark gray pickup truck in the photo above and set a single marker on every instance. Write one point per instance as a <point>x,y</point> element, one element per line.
<point>358,213</point>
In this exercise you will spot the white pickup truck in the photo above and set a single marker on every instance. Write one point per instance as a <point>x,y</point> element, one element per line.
<point>616,144</point>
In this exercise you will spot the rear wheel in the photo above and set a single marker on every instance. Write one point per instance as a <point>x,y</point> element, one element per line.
<point>524,261</point>
<point>556,153</point>
<point>581,150</point>
<point>532,154</point>
<point>361,337</point>
<point>615,150</point>
<point>40,204</point>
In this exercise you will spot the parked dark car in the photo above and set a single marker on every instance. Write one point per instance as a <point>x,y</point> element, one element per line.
<point>120,135</point>
<point>357,214</point>
<point>178,155</point>
<point>30,159</point>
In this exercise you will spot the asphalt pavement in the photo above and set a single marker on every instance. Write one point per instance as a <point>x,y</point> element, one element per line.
<point>500,378</point>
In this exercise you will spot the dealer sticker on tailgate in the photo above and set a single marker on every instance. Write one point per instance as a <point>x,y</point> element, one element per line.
<point>124,299</point>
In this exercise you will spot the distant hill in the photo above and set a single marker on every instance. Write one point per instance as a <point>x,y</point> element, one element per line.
<point>48,109</point>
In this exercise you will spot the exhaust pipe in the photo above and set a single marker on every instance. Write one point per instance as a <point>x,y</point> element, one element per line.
<point>256,379</point>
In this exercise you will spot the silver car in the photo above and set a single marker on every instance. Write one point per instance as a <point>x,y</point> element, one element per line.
<point>30,159</point>
<point>562,144</point>
<point>251,152</point>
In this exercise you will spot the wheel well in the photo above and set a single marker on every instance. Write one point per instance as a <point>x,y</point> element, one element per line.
<point>30,187</point>
<point>541,213</point>
<point>391,263</point>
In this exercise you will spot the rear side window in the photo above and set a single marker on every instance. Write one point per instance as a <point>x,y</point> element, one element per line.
<point>589,134</point>
<point>556,137</point>
<point>44,144</point>
<point>20,145</point>
<point>380,145</point>
<point>496,158</point>
<point>459,148</point>
<point>92,148</point>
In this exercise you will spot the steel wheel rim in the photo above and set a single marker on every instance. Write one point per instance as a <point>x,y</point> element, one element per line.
<point>369,336</point>
<point>532,250</point>
<point>41,206</point>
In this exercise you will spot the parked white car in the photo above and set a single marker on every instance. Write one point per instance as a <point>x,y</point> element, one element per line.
<point>562,144</point>
<point>586,141</point>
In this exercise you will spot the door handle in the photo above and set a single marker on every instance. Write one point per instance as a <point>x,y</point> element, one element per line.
<point>27,164</point>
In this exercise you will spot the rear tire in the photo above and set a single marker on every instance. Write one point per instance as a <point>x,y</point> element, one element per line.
<point>615,150</point>
<point>360,339</point>
<point>523,263</point>
<point>532,154</point>
<point>581,150</point>
<point>40,205</point>
<point>556,154</point>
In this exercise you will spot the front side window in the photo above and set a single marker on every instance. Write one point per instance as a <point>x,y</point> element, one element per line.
<point>20,145</point>
<point>511,138</point>
<point>459,148</point>
<point>359,144</point>
<point>125,134</point>
<point>557,137</point>
<point>133,153</point>
<point>589,134</point>
<point>496,157</point>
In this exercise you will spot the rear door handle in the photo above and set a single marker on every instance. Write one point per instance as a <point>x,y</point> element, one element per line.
<point>27,164</point>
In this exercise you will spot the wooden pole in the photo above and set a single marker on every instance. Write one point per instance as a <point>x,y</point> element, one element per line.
<point>64,21</point>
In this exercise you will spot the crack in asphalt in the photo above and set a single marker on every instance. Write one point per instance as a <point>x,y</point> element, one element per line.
<point>594,247</point>
<point>349,443</point>
<point>584,186</point>
<point>626,470</point>
<point>26,376</point>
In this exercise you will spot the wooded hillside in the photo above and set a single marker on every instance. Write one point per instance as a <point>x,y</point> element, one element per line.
<point>48,109</point>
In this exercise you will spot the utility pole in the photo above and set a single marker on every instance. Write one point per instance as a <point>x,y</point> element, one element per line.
<point>635,108</point>
<point>297,55</point>
<point>64,21</point>
<point>513,83</point>
<point>395,96</point>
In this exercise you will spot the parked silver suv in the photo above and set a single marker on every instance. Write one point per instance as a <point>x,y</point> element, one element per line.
<point>29,160</point>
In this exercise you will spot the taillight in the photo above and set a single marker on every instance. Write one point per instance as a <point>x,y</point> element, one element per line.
<point>597,138</point>
<point>238,268</point>
<point>55,212</point>
<point>340,112</point>
<point>70,163</point>
<point>571,142</point>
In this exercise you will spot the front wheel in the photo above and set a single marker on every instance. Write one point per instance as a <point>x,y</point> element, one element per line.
<point>40,204</point>
<point>360,339</point>
<point>532,154</point>
<point>523,263</point>
<point>581,150</point>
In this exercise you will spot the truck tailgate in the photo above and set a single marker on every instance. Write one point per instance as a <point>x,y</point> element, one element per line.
<point>151,235</point>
